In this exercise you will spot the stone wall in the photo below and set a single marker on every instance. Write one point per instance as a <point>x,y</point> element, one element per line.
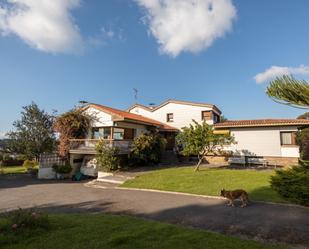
<point>282,161</point>
<point>217,160</point>
<point>273,161</point>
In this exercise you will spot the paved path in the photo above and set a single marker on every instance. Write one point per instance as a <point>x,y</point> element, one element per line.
<point>259,221</point>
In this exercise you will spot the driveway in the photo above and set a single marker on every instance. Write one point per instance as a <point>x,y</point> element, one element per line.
<point>287,224</point>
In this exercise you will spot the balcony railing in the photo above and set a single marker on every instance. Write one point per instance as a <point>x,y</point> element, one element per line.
<point>87,146</point>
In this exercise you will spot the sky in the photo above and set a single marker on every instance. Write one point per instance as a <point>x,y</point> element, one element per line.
<point>223,52</point>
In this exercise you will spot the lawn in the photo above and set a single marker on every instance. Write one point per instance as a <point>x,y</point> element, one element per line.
<point>14,169</point>
<point>93,231</point>
<point>208,182</point>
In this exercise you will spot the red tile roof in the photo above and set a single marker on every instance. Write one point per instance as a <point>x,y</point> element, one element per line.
<point>262,123</point>
<point>133,117</point>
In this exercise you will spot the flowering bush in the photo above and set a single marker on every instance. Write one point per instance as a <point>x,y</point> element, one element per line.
<point>21,220</point>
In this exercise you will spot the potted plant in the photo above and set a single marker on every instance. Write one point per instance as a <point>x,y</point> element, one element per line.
<point>62,171</point>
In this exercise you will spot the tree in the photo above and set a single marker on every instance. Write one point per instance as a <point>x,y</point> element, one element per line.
<point>147,149</point>
<point>289,91</point>
<point>200,140</point>
<point>223,118</point>
<point>73,124</point>
<point>33,133</point>
<point>304,116</point>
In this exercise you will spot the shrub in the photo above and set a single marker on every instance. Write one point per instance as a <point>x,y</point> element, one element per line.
<point>21,220</point>
<point>12,162</point>
<point>107,159</point>
<point>147,149</point>
<point>28,164</point>
<point>292,184</point>
<point>62,169</point>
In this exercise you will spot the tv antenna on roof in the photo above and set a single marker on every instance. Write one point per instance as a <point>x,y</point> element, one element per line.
<point>135,94</point>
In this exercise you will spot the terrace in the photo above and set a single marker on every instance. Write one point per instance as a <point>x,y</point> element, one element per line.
<point>87,146</point>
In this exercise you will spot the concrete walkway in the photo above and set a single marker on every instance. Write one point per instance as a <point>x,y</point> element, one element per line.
<point>260,221</point>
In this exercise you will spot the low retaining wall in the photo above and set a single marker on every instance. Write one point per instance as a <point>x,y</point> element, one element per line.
<point>282,161</point>
<point>274,161</point>
<point>217,160</point>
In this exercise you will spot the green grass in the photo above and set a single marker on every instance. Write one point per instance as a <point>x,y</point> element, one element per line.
<point>83,231</point>
<point>208,182</point>
<point>13,170</point>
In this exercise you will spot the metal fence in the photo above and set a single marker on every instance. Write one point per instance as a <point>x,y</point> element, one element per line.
<point>48,160</point>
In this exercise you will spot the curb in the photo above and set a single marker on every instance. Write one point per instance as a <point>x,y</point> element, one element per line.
<point>171,192</point>
<point>93,185</point>
<point>210,197</point>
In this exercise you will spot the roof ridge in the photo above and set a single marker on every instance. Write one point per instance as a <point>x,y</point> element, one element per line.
<point>175,101</point>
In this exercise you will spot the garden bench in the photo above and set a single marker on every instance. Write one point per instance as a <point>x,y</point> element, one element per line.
<point>257,161</point>
<point>237,160</point>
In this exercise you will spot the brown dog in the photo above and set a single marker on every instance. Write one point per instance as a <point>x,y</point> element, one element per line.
<point>236,194</point>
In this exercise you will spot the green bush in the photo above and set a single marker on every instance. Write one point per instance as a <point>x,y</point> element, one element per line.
<point>28,164</point>
<point>147,149</point>
<point>62,169</point>
<point>293,184</point>
<point>21,220</point>
<point>107,159</point>
<point>12,162</point>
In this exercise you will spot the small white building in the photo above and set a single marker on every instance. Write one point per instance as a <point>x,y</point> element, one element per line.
<point>272,139</point>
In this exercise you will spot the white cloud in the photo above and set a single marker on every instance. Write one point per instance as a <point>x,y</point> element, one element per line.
<point>2,135</point>
<point>105,36</point>
<point>276,71</point>
<point>109,33</point>
<point>46,25</point>
<point>187,25</point>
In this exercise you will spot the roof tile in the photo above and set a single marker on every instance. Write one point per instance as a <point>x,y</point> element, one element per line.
<point>134,117</point>
<point>261,123</point>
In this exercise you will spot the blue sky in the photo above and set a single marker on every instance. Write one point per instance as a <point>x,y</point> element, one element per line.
<point>59,52</point>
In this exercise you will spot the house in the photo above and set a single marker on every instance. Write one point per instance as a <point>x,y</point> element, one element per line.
<point>118,128</point>
<point>272,139</point>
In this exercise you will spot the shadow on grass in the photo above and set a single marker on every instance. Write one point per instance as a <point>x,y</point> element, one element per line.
<point>258,221</point>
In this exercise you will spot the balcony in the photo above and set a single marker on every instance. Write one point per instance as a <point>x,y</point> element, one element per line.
<point>87,146</point>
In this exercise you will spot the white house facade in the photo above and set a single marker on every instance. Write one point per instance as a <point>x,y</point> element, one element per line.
<point>179,114</point>
<point>272,139</point>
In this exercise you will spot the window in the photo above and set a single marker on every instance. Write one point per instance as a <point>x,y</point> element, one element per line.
<point>101,133</point>
<point>216,118</point>
<point>129,133</point>
<point>95,133</point>
<point>118,133</point>
<point>206,115</point>
<point>107,133</point>
<point>170,117</point>
<point>288,138</point>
